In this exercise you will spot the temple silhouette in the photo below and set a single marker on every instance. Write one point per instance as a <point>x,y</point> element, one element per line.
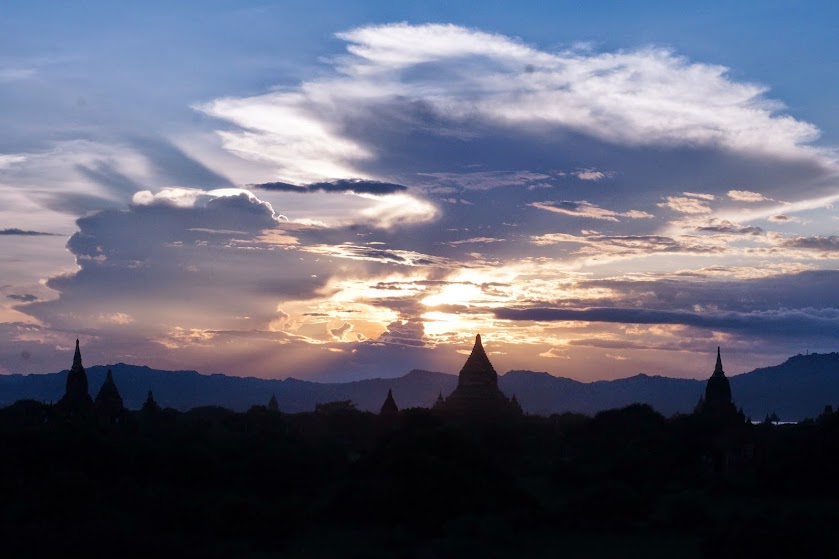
<point>76,403</point>
<point>717,402</point>
<point>477,392</point>
<point>76,400</point>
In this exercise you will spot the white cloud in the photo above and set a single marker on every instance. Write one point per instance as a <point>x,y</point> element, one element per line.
<point>397,209</point>
<point>590,175</point>
<point>555,353</point>
<point>587,209</point>
<point>7,160</point>
<point>747,196</point>
<point>685,205</point>
<point>644,97</point>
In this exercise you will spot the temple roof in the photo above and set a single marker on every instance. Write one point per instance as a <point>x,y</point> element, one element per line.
<point>108,400</point>
<point>478,369</point>
<point>150,404</point>
<point>389,407</point>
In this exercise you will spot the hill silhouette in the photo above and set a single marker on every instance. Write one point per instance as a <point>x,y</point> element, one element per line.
<point>796,389</point>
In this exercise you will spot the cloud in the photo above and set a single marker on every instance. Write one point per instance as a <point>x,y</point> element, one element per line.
<point>599,247</point>
<point>407,333</point>
<point>590,175</point>
<point>617,357</point>
<point>7,160</point>
<point>555,353</point>
<point>196,262</point>
<point>481,180</point>
<point>747,196</point>
<point>416,75</point>
<point>359,186</point>
<point>700,195</point>
<point>26,298</point>
<point>377,253</point>
<point>821,244</point>
<point>586,209</point>
<point>396,210</point>
<point>780,218</point>
<point>686,205</point>
<point>22,233</point>
<point>341,331</point>
<point>814,322</point>
<point>726,227</point>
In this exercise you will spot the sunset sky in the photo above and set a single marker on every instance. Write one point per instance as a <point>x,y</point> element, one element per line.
<point>336,191</point>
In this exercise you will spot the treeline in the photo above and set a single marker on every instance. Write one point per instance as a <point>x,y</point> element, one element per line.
<point>344,483</point>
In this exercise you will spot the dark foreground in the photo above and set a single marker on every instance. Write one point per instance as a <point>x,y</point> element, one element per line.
<point>341,483</point>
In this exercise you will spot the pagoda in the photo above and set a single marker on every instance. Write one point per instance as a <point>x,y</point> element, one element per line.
<point>477,391</point>
<point>150,405</point>
<point>717,400</point>
<point>108,402</point>
<point>389,407</point>
<point>76,400</point>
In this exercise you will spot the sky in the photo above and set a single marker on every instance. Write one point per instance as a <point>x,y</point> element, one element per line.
<point>344,190</point>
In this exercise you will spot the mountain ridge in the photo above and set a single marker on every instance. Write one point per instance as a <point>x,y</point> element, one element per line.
<point>797,388</point>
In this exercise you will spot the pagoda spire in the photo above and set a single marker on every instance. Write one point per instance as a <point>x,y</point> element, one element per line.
<point>389,407</point>
<point>718,369</point>
<point>77,357</point>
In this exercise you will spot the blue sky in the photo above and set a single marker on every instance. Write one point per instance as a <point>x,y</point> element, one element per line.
<point>601,189</point>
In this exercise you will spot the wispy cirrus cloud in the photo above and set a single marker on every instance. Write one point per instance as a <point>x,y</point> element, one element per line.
<point>747,196</point>
<point>583,208</point>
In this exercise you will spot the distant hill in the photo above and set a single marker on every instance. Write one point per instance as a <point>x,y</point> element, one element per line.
<point>796,389</point>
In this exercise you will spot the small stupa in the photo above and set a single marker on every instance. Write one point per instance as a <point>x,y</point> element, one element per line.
<point>389,407</point>
<point>150,405</point>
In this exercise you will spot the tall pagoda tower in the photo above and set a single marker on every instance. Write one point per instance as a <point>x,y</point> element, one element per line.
<point>76,399</point>
<point>717,400</point>
<point>477,391</point>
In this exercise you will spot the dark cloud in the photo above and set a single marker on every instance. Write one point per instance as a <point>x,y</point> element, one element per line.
<point>729,228</point>
<point>817,243</point>
<point>340,331</point>
<point>22,233</point>
<point>25,298</point>
<point>798,322</point>
<point>359,186</point>
<point>157,266</point>
<point>406,333</point>
<point>814,289</point>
